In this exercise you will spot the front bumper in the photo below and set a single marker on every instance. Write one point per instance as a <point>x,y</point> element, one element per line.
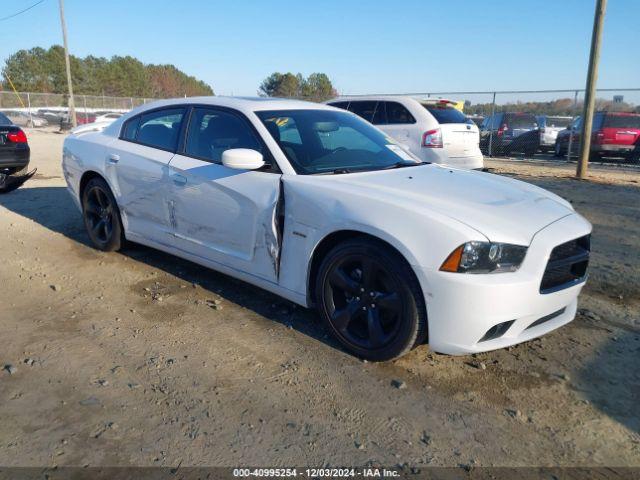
<point>475,161</point>
<point>462,308</point>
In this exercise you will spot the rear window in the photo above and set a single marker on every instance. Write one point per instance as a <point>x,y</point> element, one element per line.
<point>520,120</point>
<point>4,120</point>
<point>447,114</point>
<point>158,128</point>
<point>558,121</point>
<point>622,121</point>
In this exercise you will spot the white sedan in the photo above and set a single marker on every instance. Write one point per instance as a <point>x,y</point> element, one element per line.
<point>318,206</point>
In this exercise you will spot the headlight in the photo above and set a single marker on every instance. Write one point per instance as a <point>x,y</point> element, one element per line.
<point>484,257</point>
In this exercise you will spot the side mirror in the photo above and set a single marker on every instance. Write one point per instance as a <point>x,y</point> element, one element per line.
<point>242,159</point>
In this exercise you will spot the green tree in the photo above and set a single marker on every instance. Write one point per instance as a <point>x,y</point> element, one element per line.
<point>316,87</point>
<point>286,85</point>
<point>40,70</point>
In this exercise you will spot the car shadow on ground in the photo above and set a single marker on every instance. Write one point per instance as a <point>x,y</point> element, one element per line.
<point>610,380</point>
<point>53,208</point>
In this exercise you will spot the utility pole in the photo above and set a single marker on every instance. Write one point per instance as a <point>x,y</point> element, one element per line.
<point>72,104</point>
<point>590,93</point>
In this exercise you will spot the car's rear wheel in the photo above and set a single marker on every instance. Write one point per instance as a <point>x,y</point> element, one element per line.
<point>101,216</point>
<point>370,299</point>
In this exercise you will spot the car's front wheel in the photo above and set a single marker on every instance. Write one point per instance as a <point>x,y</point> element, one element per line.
<point>101,216</point>
<point>370,299</point>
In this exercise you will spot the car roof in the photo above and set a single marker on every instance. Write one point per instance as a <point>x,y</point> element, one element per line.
<point>239,103</point>
<point>379,98</point>
<point>246,105</point>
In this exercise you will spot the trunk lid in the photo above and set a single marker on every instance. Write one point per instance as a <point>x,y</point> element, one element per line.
<point>460,136</point>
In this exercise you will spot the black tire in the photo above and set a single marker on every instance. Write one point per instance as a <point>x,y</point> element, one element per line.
<point>370,299</point>
<point>102,216</point>
<point>596,157</point>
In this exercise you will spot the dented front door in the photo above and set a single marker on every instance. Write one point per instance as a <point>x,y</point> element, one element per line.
<point>224,215</point>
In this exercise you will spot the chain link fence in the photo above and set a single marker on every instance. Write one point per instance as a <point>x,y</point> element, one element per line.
<point>534,124</point>
<point>37,110</point>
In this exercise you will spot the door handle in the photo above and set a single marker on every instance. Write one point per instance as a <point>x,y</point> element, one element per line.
<point>179,179</point>
<point>113,158</point>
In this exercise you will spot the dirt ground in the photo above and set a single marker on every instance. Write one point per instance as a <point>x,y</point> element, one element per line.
<point>140,358</point>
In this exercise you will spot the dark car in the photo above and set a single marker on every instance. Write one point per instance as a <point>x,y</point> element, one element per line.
<point>14,149</point>
<point>507,132</point>
<point>614,134</point>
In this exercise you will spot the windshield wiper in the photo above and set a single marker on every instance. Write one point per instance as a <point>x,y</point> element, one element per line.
<point>403,164</point>
<point>336,171</point>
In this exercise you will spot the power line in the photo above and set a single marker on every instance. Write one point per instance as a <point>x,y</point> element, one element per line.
<point>21,11</point>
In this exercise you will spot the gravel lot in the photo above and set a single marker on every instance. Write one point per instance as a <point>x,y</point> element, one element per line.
<point>140,358</point>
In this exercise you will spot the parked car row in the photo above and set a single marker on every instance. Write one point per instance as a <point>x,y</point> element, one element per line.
<point>614,134</point>
<point>41,117</point>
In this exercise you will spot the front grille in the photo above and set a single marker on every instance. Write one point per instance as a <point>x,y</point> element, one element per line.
<point>567,265</point>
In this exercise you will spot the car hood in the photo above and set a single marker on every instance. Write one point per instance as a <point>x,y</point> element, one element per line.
<point>501,208</point>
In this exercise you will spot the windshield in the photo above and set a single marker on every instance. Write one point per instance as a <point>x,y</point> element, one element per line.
<point>520,121</point>
<point>326,141</point>
<point>4,120</point>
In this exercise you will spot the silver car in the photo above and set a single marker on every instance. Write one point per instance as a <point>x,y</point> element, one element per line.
<point>549,126</point>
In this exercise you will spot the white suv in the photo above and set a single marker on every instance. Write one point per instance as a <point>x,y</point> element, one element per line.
<point>433,130</point>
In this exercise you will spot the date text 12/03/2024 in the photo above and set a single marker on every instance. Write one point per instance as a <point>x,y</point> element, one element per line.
<point>315,472</point>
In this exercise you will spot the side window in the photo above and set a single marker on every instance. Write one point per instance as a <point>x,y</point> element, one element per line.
<point>161,128</point>
<point>131,129</point>
<point>398,114</point>
<point>380,115</point>
<point>342,105</point>
<point>211,132</point>
<point>364,109</point>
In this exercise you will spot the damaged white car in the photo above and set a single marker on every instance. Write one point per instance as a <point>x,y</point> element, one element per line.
<point>316,205</point>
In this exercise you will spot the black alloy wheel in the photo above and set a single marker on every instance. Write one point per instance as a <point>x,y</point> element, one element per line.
<point>370,299</point>
<point>101,216</point>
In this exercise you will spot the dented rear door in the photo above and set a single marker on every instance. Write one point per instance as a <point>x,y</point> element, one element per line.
<point>226,216</point>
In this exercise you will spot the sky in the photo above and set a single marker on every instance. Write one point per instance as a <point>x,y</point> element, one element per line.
<point>391,46</point>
